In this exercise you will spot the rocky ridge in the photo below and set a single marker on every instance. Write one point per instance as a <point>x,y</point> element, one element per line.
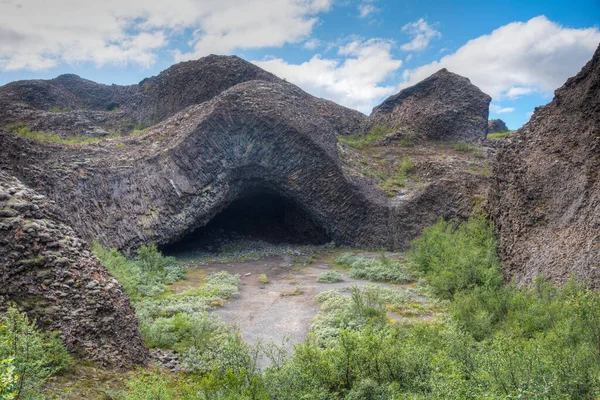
<point>444,106</point>
<point>496,125</point>
<point>50,273</point>
<point>545,193</point>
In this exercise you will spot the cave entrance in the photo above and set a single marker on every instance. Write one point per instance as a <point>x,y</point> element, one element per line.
<point>261,215</point>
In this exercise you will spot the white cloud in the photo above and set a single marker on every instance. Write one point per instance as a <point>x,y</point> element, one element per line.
<point>38,34</point>
<point>421,33</point>
<point>355,81</point>
<point>529,114</point>
<point>312,44</point>
<point>537,55</point>
<point>496,109</point>
<point>366,9</point>
<point>515,92</point>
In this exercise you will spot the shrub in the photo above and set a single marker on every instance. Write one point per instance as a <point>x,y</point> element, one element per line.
<point>379,269</point>
<point>262,278</point>
<point>456,256</point>
<point>330,277</point>
<point>30,356</point>
<point>463,147</point>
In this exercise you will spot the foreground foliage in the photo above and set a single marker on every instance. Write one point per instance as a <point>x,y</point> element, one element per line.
<point>496,341</point>
<point>29,356</point>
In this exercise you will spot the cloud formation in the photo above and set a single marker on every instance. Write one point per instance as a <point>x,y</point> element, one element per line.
<point>421,33</point>
<point>39,34</point>
<point>517,59</point>
<point>354,81</point>
<point>366,8</point>
<point>496,109</point>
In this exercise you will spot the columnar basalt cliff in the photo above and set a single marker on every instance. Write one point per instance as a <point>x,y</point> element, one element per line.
<point>445,106</point>
<point>546,189</point>
<point>50,273</point>
<point>496,125</point>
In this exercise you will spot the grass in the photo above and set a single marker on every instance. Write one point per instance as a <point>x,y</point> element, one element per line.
<point>463,147</point>
<point>262,278</point>
<point>330,277</point>
<point>498,135</point>
<point>399,179</point>
<point>20,129</point>
<point>59,109</point>
<point>360,141</point>
<point>379,269</point>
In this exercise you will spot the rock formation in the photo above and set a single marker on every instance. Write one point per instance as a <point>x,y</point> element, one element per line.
<point>51,274</point>
<point>546,190</point>
<point>444,106</point>
<point>496,125</point>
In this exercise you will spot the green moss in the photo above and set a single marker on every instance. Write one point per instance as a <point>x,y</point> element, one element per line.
<point>360,141</point>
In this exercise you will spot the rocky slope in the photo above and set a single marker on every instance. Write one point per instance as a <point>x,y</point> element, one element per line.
<point>445,106</point>
<point>546,190</point>
<point>50,273</point>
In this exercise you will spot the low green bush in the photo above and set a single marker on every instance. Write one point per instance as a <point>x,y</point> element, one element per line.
<point>330,277</point>
<point>360,140</point>
<point>456,256</point>
<point>379,269</point>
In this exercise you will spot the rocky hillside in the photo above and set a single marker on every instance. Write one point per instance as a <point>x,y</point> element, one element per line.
<point>445,106</point>
<point>50,273</point>
<point>546,187</point>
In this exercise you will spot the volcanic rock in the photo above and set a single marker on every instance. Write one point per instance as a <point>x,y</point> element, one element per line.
<point>545,194</point>
<point>50,273</point>
<point>496,125</point>
<point>444,106</point>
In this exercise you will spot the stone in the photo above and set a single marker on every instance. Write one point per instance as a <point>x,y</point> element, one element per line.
<point>55,305</point>
<point>496,125</point>
<point>545,192</point>
<point>444,106</point>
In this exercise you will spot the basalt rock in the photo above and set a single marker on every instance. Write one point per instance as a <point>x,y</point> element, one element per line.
<point>546,189</point>
<point>51,274</point>
<point>496,125</point>
<point>444,106</point>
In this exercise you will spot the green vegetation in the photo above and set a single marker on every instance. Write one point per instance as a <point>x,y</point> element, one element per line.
<point>330,277</point>
<point>29,356</point>
<point>498,135</point>
<point>359,140</point>
<point>59,109</point>
<point>463,147</point>
<point>262,278</point>
<point>20,129</point>
<point>399,179</point>
<point>379,269</point>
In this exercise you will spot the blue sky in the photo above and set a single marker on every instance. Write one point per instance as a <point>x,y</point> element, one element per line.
<point>355,52</point>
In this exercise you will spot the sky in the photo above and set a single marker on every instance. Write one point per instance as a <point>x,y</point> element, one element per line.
<point>354,52</point>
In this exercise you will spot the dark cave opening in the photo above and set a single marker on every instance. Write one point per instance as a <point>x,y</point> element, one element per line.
<point>259,215</point>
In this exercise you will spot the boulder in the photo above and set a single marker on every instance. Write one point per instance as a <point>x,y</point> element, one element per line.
<point>496,125</point>
<point>444,106</point>
<point>545,193</point>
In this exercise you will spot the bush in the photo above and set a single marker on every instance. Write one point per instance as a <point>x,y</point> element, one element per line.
<point>463,147</point>
<point>330,277</point>
<point>379,269</point>
<point>456,256</point>
<point>30,356</point>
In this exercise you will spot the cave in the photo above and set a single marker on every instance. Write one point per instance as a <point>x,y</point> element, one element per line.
<point>256,215</point>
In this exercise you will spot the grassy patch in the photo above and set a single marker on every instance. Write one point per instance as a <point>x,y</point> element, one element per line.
<point>379,269</point>
<point>330,277</point>
<point>498,135</point>
<point>59,109</point>
<point>463,147</point>
<point>262,278</point>
<point>20,129</point>
<point>360,141</point>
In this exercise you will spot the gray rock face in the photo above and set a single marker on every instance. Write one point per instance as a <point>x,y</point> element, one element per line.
<point>71,106</point>
<point>496,125</point>
<point>545,194</point>
<point>51,274</point>
<point>444,106</point>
